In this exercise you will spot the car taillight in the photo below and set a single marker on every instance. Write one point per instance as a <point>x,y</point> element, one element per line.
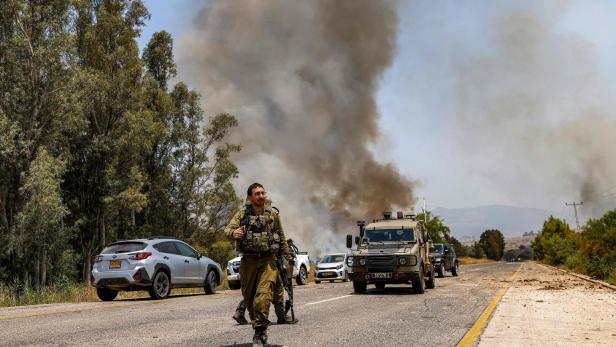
<point>137,276</point>
<point>140,255</point>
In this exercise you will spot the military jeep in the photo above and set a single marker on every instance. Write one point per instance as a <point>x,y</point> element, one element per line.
<point>391,251</point>
<point>443,257</point>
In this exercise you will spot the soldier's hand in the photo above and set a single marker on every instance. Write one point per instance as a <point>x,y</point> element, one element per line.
<point>238,233</point>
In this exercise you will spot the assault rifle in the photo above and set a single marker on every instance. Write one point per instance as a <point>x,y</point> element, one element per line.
<point>287,284</point>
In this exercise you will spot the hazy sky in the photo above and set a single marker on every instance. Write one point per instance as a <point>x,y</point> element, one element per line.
<point>489,102</point>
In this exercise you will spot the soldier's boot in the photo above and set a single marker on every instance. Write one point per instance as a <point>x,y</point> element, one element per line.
<point>260,337</point>
<point>282,316</point>
<point>239,316</point>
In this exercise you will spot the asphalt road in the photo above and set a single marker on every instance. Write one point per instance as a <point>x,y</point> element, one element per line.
<point>329,314</point>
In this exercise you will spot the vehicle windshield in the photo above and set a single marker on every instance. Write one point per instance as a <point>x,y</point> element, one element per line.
<point>123,247</point>
<point>333,258</point>
<point>438,248</point>
<point>390,235</point>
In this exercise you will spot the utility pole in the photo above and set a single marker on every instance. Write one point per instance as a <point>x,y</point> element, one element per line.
<point>575,205</point>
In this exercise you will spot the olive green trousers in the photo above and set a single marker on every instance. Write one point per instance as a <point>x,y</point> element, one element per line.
<point>258,278</point>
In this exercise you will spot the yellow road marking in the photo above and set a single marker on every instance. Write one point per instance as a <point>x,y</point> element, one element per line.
<point>475,331</point>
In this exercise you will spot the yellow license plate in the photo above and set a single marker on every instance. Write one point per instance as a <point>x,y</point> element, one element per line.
<point>329,274</point>
<point>114,264</point>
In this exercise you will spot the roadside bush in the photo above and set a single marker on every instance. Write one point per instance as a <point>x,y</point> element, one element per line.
<point>492,242</point>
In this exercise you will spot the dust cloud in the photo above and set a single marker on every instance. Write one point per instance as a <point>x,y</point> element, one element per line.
<point>301,78</point>
<point>534,107</point>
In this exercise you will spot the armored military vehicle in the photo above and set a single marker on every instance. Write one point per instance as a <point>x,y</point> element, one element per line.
<point>391,251</point>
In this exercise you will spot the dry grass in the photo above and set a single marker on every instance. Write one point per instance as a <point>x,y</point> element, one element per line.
<point>11,295</point>
<point>471,261</point>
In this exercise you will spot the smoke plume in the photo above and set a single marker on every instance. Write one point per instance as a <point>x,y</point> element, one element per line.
<point>537,108</point>
<point>301,77</point>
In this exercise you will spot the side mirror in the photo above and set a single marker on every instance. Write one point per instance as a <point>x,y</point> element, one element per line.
<point>357,240</point>
<point>199,255</point>
<point>349,241</point>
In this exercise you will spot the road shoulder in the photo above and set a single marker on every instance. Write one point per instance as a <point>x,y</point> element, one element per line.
<point>547,307</point>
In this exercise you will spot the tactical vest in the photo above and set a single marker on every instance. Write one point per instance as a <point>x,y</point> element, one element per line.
<point>260,235</point>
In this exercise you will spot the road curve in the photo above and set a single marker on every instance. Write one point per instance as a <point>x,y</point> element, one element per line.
<point>329,314</point>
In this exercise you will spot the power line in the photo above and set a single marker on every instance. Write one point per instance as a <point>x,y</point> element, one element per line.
<point>575,205</point>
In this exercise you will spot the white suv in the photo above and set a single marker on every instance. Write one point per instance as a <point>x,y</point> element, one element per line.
<point>155,264</point>
<point>332,267</point>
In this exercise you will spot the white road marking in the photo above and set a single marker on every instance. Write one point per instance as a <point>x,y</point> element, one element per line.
<point>326,300</point>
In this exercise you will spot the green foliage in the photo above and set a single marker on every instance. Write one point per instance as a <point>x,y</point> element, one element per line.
<point>437,230</point>
<point>476,251</point>
<point>593,251</point>
<point>94,147</point>
<point>492,243</point>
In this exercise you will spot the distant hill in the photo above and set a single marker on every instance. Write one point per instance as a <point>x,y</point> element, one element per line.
<point>469,223</point>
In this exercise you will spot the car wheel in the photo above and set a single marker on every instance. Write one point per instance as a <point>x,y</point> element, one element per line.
<point>211,282</point>
<point>359,287</point>
<point>380,286</point>
<point>455,270</point>
<point>430,282</point>
<point>317,282</point>
<point>106,294</point>
<point>441,271</point>
<point>233,285</point>
<point>161,286</point>
<point>302,276</point>
<point>419,285</point>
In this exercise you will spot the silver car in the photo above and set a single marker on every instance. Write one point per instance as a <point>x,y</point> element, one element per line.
<point>332,267</point>
<point>156,265</point>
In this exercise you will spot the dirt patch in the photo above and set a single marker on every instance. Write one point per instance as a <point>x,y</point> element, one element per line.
<point>472,261</point>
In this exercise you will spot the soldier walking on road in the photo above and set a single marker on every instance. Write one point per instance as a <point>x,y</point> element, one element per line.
<point>258,229</point>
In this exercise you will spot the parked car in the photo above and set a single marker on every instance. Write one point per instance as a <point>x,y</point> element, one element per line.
<point>300,271</point>
<point>444,258</point>
<point>156,265</point>
<point>332,267</point>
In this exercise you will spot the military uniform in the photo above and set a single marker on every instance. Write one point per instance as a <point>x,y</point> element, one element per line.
<point>263,239</point>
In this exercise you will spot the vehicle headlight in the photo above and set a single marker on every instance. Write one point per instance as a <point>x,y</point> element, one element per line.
<point>339,267</point>
<point>412,260</point>
<point>350,261</point>
<point>402,261</point>
<point>362,261</point>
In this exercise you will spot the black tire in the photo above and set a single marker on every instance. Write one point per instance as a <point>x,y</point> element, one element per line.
<point>161,286</point>
<point>441,271</point>
<point>233,285</point>
<point>106,294</point>
<point>380,285</point>
<point>430,283</point>
<point>419,285</point>
<point>346,277</point>
<point>360,287</point>
<point>332,281</point>
<point>455,270</point>
<point>302,276</point>
<point>211,282</point>
<point>317,281</point>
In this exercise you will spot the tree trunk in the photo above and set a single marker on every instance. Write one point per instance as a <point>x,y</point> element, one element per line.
<point>37,272</point>
<point>87,266</point>
<point>44,268</point>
